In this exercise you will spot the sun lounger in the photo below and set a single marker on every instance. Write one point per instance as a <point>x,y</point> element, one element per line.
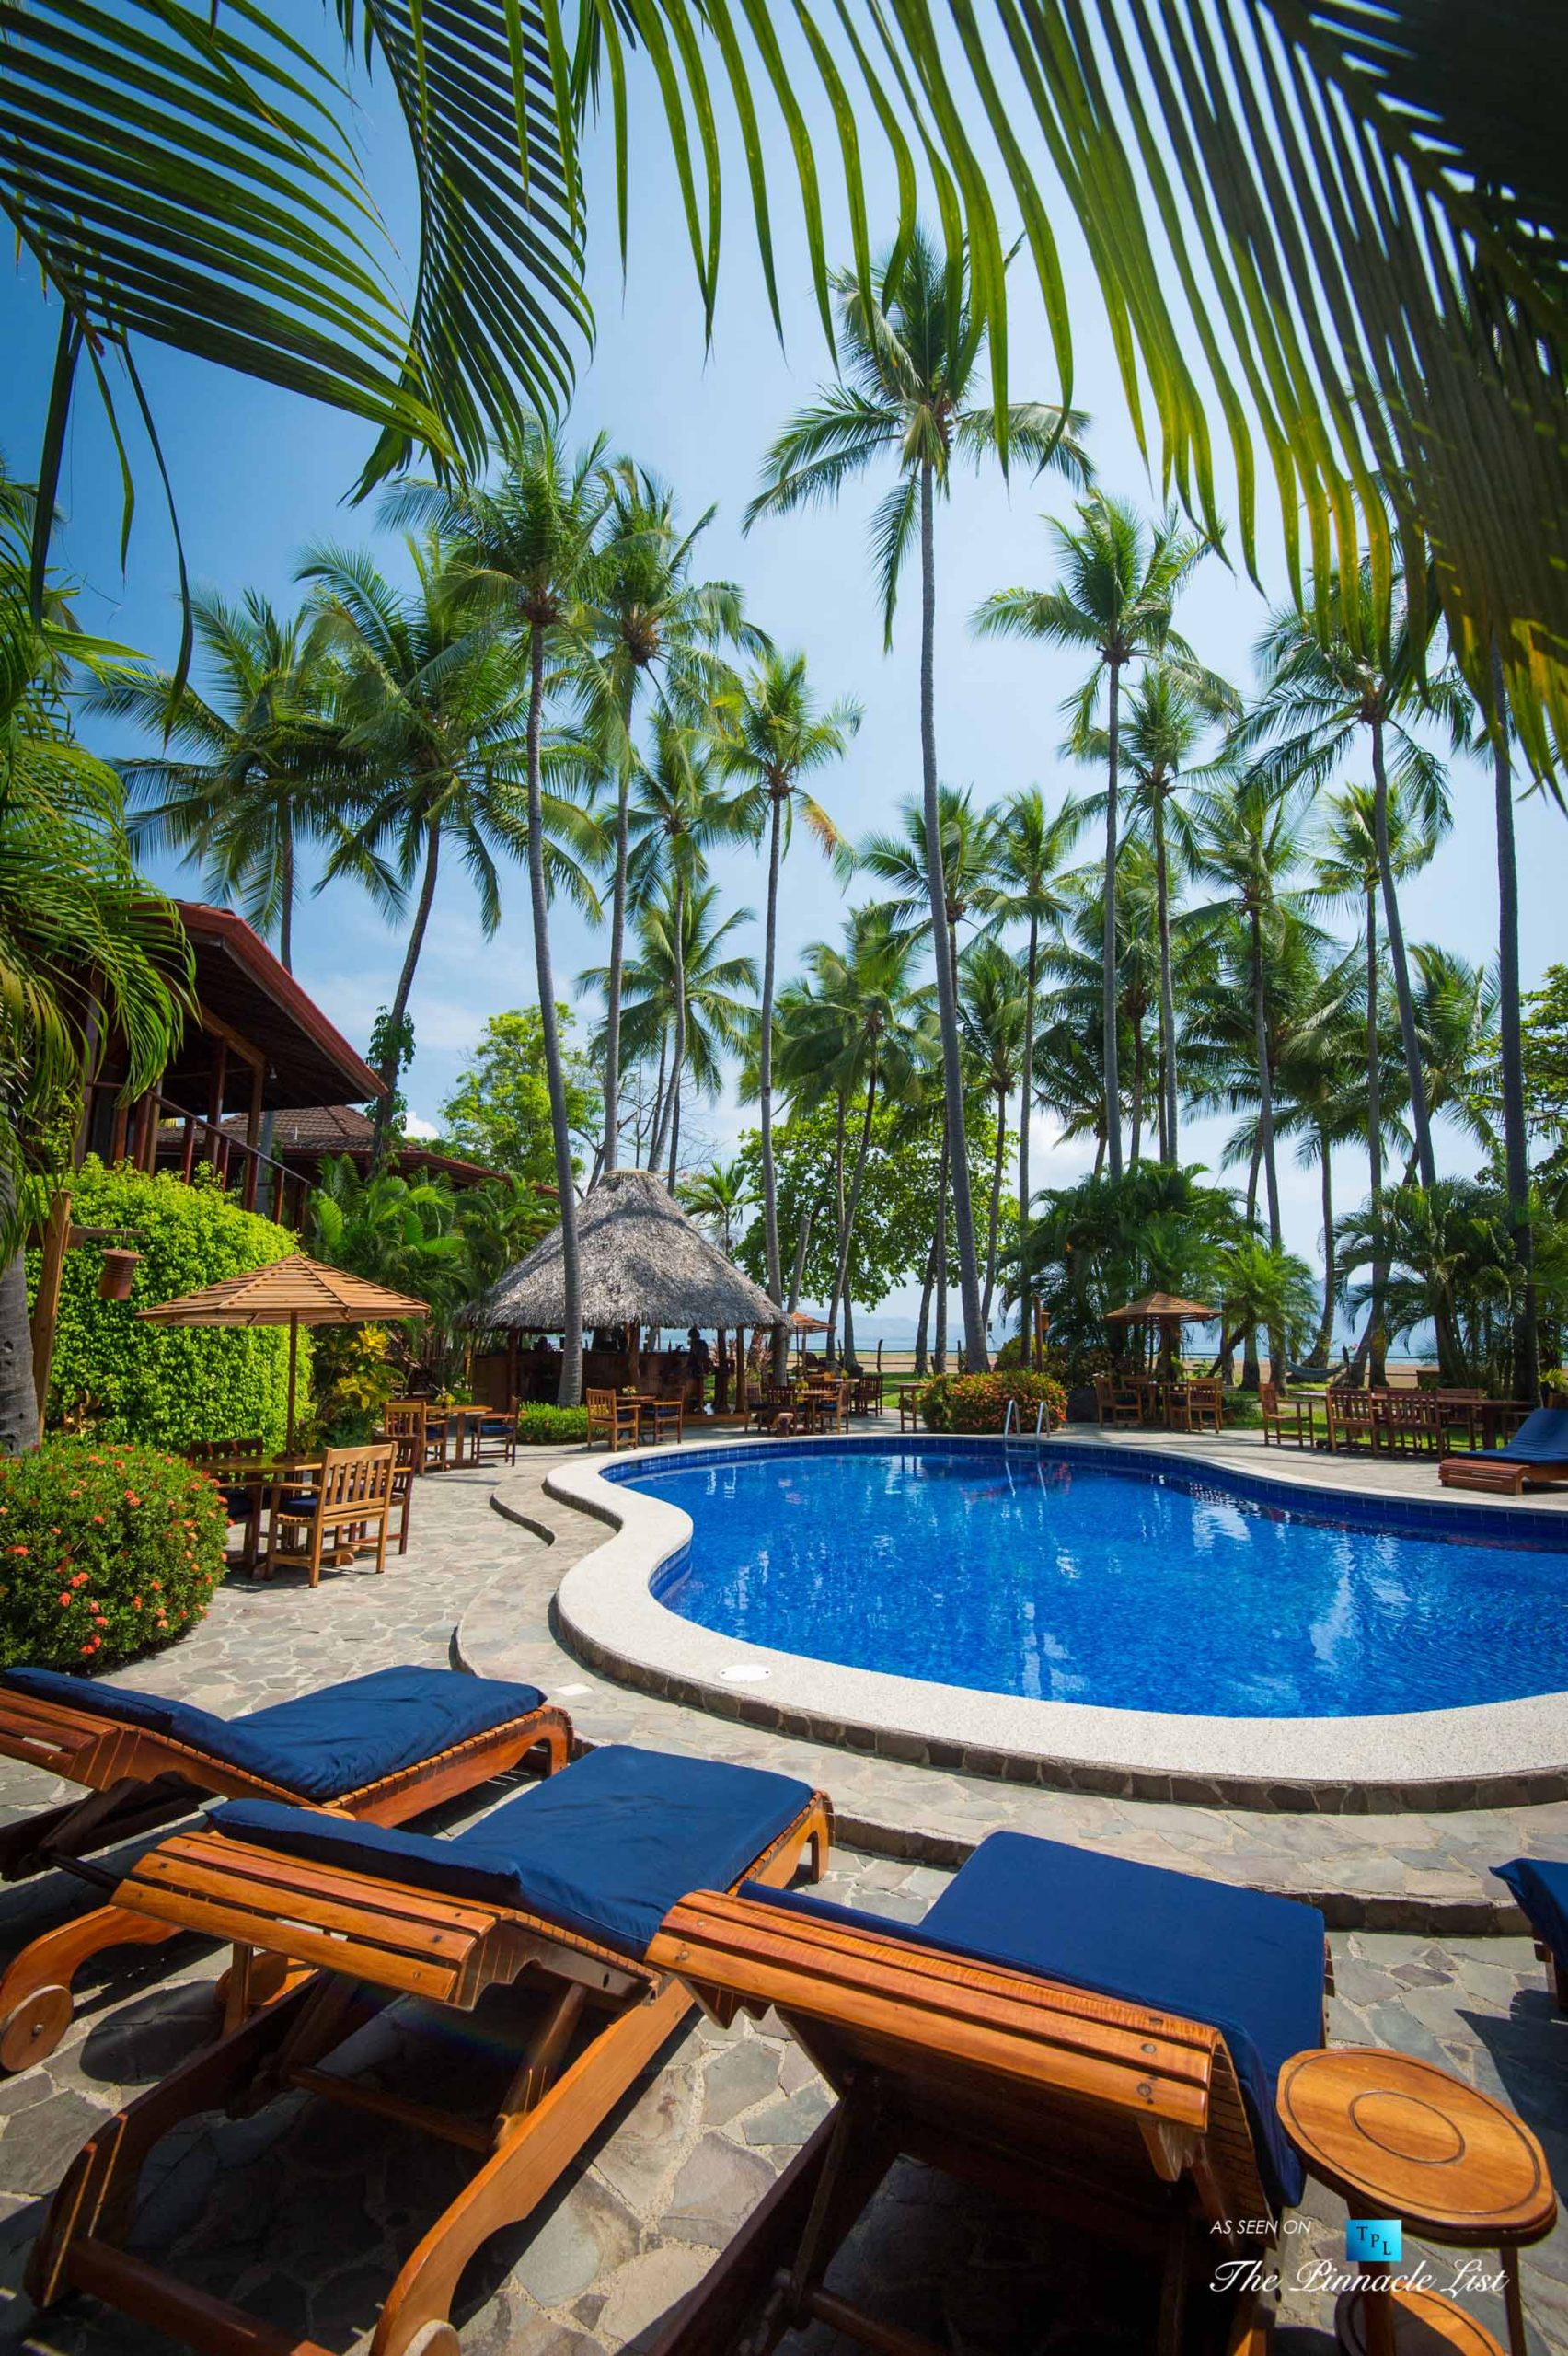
<point>550,1902</point>
<point>379,1748</point>
<point>1540,1885</point>
<point>1098,2038</point>
<point>1535,1457</point>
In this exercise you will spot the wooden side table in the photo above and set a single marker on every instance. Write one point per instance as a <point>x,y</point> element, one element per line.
<point>1395,2137</point>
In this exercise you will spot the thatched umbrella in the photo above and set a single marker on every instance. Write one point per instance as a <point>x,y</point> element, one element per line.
<point>292,1292</point>
<point>641,1261</point>
<point>1168,1312</point>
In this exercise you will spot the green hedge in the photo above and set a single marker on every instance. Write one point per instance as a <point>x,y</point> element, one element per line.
<point>550,1426</point>
<point>978,1402</point>
<point>105,1553</point>
<point>163,1385</point>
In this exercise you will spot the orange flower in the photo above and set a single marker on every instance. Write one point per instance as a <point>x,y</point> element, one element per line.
<point>97,1517</point>
<point>132,1498</point>
<point>16,1550</point>
<point>63,1602</point>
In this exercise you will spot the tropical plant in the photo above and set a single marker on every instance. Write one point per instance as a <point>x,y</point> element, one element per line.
<point>912,346</point>
<point>1117,599</point>
<point>1263,1288</point>
<point>499,1111</point>
<point>250,772</point>
<point>1099,1244</point>
<point>979,1402</point>
<point>1319,1076</point>
<point>1352,661</point>
<point>1451,1260</point>
<point>717,1197</point>
<point>770,736</point>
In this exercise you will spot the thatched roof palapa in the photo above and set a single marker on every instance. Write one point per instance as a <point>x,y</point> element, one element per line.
<point>643,1262</point>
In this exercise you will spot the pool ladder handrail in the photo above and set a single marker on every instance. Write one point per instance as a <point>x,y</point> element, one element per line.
<point>1008,1420</point>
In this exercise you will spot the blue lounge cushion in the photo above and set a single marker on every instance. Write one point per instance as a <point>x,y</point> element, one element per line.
<point>603,1848</point>
<point>322,1746</point>
<point>1541,1439</point>
<point>1540,1885</point>
<point>1238,1960</point>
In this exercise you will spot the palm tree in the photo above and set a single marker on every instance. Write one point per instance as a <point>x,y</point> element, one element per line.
<point>912,349</point>
<point>1456,1022</point>
<point>676,814</point>
<point>531,547</point>
<point>769,735</point>
<point>434,710</point>
<point>1326,678</point>
<point>1169,714</point>
<point>249,773</point>
<point>853,1029</point>
<point>1322,1102</point>
<point>993,1012</point>
<point>648,626</point>
<point>718,1195</point>
<point>1349,875</point>
<point>1117,597</point>
<point>1031,849</point>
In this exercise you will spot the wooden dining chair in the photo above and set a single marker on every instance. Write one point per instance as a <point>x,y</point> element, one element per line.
<point>346,1513</point>
<point>242,1499</point>
<point>409,1419</point>
<point>613,1417</point>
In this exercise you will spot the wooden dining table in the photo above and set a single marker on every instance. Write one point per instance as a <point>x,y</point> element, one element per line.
<point>451,1424</point>
<point>266,1478</point>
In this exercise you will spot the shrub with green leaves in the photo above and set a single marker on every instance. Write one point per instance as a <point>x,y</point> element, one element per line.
<point>168,1385</point>
<point>978,1402</point>
<point>106,1553</point>
<point>543,1426</point>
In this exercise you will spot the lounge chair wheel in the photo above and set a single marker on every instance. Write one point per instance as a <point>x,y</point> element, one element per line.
<point>33,2029</point>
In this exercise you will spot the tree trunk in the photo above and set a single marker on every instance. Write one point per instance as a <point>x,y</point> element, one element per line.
<point>830,1344</point>
<point>1326,1330</point>
<point>1025,1095</point>
<point>1138,1088</point>
<point>936,884</point>
<point>996,1212</point>
<point>862,1154</point>
<point>923,1325</point>
<point>570,1391</point>
<point>670,1115</point>
<point>764,1080</point>
<point>1251,1376</point>
<point>390,1064</point>
<point>1516,1146</point>
<point>1266,1086</point>
<point>18,1400</point>
<point>797,1274</point>
<point>1419,1119</point>
<point>1108,946</point>
<point>1372,1341</point>
<point>940,1248</point>
<point>675,1144</point>
<point>1168,1106</point>
<point>617,961</point>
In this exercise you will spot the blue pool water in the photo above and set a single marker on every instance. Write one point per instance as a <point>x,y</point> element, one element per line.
<point>1075,1580</point>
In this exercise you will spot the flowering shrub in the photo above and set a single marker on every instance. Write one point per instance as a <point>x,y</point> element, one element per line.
<point>106,1552</point>
<point>978,1402</point>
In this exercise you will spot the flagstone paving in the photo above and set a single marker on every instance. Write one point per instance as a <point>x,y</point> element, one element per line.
<point>302,2215</point>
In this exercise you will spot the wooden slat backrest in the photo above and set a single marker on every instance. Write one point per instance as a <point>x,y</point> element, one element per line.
<point>969,2044</point>
<point>405,1419</point>
<point>354,1477</point>
<point>416,1942</point>
<point>216,1451</point>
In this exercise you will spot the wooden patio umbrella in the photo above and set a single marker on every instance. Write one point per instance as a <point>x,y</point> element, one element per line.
<point>1168,1312</point>
<point>801,1323</point>
<point>292,1292</point>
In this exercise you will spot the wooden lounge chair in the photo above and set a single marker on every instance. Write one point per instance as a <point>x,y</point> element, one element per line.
<point>544,1908</point>
<point>344,1515</point>
<point>1095,2039</point>
<point>379,1748</point>
<point>613,1417</point>
<point>1540,1886</point>
<point>1536,1456</point>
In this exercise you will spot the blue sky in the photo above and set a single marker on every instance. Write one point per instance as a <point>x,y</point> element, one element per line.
<point>258,474</point>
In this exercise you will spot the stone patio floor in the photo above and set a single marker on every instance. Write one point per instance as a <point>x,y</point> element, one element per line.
<point>302,2215</point>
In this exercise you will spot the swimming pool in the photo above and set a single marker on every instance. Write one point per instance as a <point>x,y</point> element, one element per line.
<point>1125,1585</point>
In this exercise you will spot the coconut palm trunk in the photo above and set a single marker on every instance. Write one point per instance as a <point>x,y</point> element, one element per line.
<point>18,1400</point>
<point>1031,966</point>
<point>1108,947</point>
<point>1419,1119</point>
<point>765,1081</point>
<point>851,1206</point>
<point>1167,1104</point>
<point>939,1254</point>
<point>617,967</point>
<point>1516,1153</point>
<point>670,1112</point>
<point>923,1323</point>
<point>947,998</point>
<point>994,1223</point>
<point>404,991</point>
<point>1330,1271</point>
<point>1266,1125</point>
<point>570,1391</point>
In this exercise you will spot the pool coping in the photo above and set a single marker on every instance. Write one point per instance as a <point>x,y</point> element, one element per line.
<point>1485,1754</point>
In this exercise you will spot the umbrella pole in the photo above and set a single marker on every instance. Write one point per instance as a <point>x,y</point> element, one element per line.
<point>294,1366</point>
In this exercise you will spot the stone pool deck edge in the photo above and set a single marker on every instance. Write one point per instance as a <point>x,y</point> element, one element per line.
<point>1495,1754</point>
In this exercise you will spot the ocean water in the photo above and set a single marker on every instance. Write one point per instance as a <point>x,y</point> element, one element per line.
<point>1122,1587</point>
